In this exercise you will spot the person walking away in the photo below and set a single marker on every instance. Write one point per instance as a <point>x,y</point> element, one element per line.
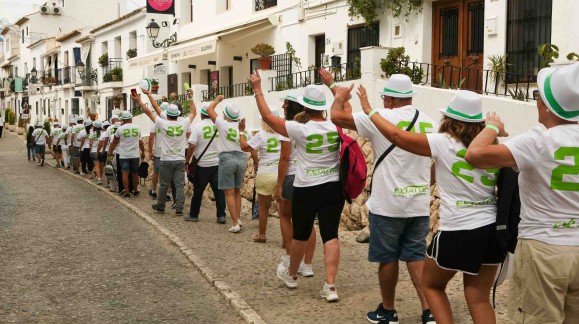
<point>30,144</point>
<point>207,171</point>
<point>173,138</point>
<point>116,161</point>
<point>399,205</point>
<point>317,187</point>
<point>545,283</point>
<point>155,152</point>
<point>102,146</point>
<point>75,141</point>
<point>63,142</point>
<point>84,138</point>
<point>266,145</point>
<point>232,160</point>
<point>55,138</point>
<point>284,190</point>
<point>1,125</point>
<point>466,240</point>
<point>93,143</point>
<point>128,139</point>
<point>39,136</point>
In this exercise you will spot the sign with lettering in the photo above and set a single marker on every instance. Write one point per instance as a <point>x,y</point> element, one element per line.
<point>145,61</point>
<point>193,50</point>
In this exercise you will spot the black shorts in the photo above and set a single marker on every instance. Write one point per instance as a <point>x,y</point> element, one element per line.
<point>56,149</point>
<point>466,250</point>
<point>102,157</point>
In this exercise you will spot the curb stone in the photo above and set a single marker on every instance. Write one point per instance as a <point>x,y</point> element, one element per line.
<point>248,314</point>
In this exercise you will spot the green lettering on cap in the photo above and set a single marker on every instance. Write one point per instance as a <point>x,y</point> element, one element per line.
<point>314,102</point>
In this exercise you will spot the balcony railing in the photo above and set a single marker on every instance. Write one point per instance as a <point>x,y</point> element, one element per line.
<point>66,75</point>
<point>113,71</point>
<point>86,79</point>
<point>343,72</point>
<point>231,91</point>
<point>517,86</point>
<point>264,4</point>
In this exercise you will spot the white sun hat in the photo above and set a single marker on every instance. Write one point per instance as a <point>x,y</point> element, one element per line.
<point>204,109</point>
<point>398,86</point>
<point>232,111</point>
<point>465,106</point>
<point>559,89</point>
<point>313,98</point>
<point>173,111</point>
<point>290,96</point>
<point>275,111</point>
<point>126,115</point>
<point>79,119</point>
<point>145,84</point>
<point>106,123</point>
<point>88,122</point>
<point>113,118</point>
<point>164,105</point>
<point>55,124</point>
<point>98,124</point>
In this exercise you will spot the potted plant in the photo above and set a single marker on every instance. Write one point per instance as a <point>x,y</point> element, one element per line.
<point>104,59</point>
<point>265,51</point>
<point>117,100</point>
<point>131,53</point>
<point>154,86</point>
<point>117,74</point>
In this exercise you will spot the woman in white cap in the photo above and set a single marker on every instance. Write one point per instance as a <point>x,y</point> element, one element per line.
<point>63,142</point>
<point>283,194</point>
<point>545,283</point>
<point>87,165</point>
<point>114,185</point>
<point>94,138</point>
<point>102,146</point>
<point>232,160</point>
<point>266,145</point>
<point>317,187</point>
<point>155,148</point>
<point>466,240</point>
<point>55,136</point>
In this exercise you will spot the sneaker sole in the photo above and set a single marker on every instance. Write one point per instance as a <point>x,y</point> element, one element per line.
<point>306,274</point>
<point>378,321</point>
<point>334,299</point>
<point>291,286</point>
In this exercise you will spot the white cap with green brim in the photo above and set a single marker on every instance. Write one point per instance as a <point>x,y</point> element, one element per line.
<point>173,111</point>
<point>164,105</point>
<point>398,86</point>
<point>559,89</point>
<point>313,98</point>
<point>232,111</point>
<point>126,115</point>
<point>290,97</point>
<point>465,106</point>
<point>204,109</point>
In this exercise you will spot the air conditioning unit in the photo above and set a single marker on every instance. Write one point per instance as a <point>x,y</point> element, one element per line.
<point>56,10</point>
<point>45,9</point>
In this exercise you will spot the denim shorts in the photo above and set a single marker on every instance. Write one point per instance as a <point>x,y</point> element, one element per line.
<point>39,149</point>
<point>93,156</point>
<point>156,164</point>
<point>393,239</point>
<point>287,189</point>
<point>232,166</point>
<point>130,165</point>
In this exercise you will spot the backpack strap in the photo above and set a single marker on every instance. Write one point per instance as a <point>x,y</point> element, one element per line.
<point>392,147</point>
<point>208,144</point>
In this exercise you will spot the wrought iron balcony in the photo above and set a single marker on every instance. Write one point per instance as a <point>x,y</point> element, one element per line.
<point>264,4</point>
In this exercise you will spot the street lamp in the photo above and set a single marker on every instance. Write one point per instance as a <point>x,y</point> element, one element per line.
<point>80,67</point>
<point>33,74</point>
<point>89,75</point>
<point>153,31</point>
<point>10,78</point>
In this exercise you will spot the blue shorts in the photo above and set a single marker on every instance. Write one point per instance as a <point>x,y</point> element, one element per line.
<point>156,164</point>
<point>393,239</point>
<point>232,166</point>
<point>130,165</point>
<point>39,149</point>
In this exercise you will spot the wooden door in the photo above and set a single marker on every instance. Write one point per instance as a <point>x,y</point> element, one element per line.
<point>172,84</point>
<point>458,40</point>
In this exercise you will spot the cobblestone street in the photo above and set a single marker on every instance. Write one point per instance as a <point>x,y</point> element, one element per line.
<point>71,254</point>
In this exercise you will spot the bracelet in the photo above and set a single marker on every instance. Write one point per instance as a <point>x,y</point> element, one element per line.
<point>258,94</point>
<point>372,113</point>
<point>332,85</point>
<point>242,133</point>
<point>493,127</point>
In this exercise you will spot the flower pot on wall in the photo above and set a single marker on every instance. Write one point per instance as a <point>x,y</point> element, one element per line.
<point>264,63</point>
<point>114,77</point>
<point>117,104</point>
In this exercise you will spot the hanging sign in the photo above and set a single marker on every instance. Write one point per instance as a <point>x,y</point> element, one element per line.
<point>166,7</point>
<point>159,69</point>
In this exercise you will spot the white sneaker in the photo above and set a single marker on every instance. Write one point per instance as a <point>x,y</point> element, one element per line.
<point>99,181</point>
<point>239,223</point>
<point>329,293</point>
<point>284,275</point>
<point>235,229</point>
<point>306,270</point>
<point>284,263</point>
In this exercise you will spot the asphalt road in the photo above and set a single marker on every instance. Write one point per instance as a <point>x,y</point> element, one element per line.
<point>70,254</point>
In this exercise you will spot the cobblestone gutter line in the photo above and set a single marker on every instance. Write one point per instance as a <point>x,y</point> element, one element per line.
<point>235,300</point>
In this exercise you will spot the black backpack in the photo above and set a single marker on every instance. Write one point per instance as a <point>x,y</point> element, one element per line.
<point>144,170</point>
<point>508,209</point>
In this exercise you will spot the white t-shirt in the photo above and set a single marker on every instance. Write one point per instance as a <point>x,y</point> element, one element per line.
<point>76,130</point>
<point>173,137</point>
<point>56,134</point>
<point>467,194</point>
<point>95,140</point>
<point>129,136</point>
<point>157,144</point>
<point>39,135</point>
<point>228,140</point>
<point>112,132</point>
<point>293,161</point>
<point>268,147</point>
<point>1,121</point>
<point>201,134</point>
<point>548,162</point>
<point>401,185</point>
<point>83,135</point>
<point>318,146</point>
<point>65,137</point>
<point>104,138</point>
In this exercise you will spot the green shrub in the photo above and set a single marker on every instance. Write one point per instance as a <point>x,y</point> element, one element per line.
<point>396,62</point>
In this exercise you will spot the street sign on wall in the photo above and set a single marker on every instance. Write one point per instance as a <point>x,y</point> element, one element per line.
<point>166,7</point>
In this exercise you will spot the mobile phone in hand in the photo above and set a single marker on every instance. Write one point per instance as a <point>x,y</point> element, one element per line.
<point>134,92</point>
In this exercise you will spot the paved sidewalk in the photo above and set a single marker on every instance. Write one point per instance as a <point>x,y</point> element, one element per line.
<point>249,269</point>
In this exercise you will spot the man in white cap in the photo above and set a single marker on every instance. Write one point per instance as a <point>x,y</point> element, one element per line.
<point>173,144</point>
<point>114,185</point>
<point>203,144</point>
<point>64,146</point>
<point>399,219</point>
<point>55,138</point>
<point>75,143</point>
<point>155,151</point>
<point>128,139</point>
<point>39,136</point>
<point>545,283</point>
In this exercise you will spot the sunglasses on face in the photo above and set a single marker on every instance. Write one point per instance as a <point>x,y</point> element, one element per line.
<point>536,94</point>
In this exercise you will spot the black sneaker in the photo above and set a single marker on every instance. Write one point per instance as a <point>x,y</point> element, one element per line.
<point>221,220</point>
<point>153,194</point>
<point>127,196</point>
<point>382,316</point>
<point>122,192</point>
<point>136,193</point>
<point>179,212</point>
<point>157,209</point>
<point>191,219</point>
<point>427,317</point>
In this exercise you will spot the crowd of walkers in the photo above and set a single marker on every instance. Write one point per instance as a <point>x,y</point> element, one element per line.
<point>297,160</point>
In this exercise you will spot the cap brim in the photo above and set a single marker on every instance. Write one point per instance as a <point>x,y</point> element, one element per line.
<point>466,120</point>
<point>301,101</point>
<point>398,95</point>
<point>176,115</point>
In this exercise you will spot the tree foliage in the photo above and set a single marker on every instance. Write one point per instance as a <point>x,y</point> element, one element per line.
<point>370,9</point>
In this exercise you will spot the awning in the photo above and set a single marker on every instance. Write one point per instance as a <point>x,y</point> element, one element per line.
<point>192,50</point>
<point>147,60</point>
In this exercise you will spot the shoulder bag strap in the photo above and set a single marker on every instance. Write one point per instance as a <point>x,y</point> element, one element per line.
<point>208,144</point>
<point>392,147</point>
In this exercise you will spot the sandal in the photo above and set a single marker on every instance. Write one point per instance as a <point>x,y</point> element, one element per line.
<point>259,238</point>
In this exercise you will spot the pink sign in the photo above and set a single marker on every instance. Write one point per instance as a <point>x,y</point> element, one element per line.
<point>160,5</point>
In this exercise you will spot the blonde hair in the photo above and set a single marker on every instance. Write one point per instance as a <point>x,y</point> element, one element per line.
<point>266,127</point>
<point>304,116</point>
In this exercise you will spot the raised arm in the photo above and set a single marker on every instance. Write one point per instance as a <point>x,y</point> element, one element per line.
<point>483,154</point>
<point>409,141</point>
<point>277,123</point>
<point>193,112</point>
<point>342,114</point>
<point>212,106</point>
<point>243,137</point>
<point>153,102</point>
<point>144,107</point>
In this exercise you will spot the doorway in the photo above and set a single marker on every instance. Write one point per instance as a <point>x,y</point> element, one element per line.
<point>320,50</point>
<point>458,42</point>
<point>172,84</point>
